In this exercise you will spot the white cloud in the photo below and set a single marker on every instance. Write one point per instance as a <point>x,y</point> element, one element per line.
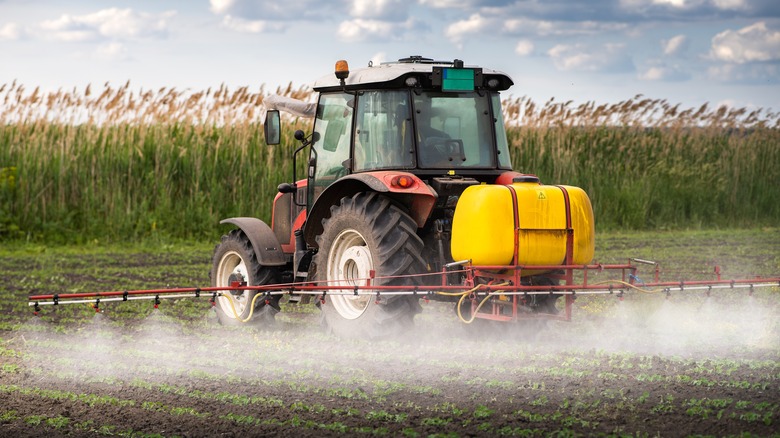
<point>250,26</point>
<point>663,73</point>
<point>108,23</point>
<point>446,4</point>
<point>688,6</point>
<point>749,44</point>
<point>679,5</point>
<point>268,10</point>
<point>378,58</point>
<point>524,48</point>
<point>752,74</point>
<point>360,29</point>
<point>673,3</point>
<point>112,51</point>
<point>476,23</point>
<point>527,26</point>
<point>730,4</point>
<point>10,32</point>
<point>609,58</point>
<point>68,29</point>
<point>675,45</point>
<point>380,9</point>
<point>221,6</point>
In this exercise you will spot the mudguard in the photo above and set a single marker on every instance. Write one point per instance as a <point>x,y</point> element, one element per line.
<point>264,242</point>
<point>418,199</point>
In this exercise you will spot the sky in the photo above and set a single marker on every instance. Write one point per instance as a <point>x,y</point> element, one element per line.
<point>721,52</point>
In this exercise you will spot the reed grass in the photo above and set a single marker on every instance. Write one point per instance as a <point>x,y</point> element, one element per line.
<point>646,164</point>
<point>118,165</point>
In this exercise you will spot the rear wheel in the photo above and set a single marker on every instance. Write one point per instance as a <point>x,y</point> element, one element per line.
<point>365,233</point>
<point>235,261</point>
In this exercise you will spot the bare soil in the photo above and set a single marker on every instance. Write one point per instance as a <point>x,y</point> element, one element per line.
<point>686,365</point>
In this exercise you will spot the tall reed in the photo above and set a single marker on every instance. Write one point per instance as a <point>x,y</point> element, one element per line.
<point>113,164</point>
<point>117,166</point>
<point>648,165</point>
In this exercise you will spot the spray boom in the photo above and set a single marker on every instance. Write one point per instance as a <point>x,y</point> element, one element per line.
<point>481,283</point>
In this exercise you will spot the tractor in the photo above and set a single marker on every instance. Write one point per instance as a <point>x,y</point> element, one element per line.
<point>408,179</point>
<point>409,195</point>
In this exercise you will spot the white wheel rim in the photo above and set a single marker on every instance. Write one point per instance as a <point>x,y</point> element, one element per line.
<point>232,264</point>
<point>349,264</point>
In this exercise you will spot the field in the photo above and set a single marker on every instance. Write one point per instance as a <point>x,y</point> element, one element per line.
<point>111,189</point>
<point>645,366</point>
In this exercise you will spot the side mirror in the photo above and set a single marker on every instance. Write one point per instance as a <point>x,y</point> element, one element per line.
<point>272,127</point>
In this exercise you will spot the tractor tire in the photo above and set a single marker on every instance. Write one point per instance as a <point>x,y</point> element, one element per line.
<point>367,232</point>
<point>235,260</point>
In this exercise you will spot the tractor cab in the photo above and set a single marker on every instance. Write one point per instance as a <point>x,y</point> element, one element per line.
<point>429,118</point>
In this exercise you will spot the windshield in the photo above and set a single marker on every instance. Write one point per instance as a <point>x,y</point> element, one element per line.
<point>453,130</point>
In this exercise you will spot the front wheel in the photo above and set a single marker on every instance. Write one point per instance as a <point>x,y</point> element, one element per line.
<point>235,261</point>
<point>366,233</point>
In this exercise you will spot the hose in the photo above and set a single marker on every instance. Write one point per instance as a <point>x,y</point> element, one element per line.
<point>630,286</point>
<point>463,296</point>
<point>233,307</point>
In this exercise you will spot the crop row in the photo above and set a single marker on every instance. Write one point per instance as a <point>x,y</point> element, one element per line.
<point>408,418</point>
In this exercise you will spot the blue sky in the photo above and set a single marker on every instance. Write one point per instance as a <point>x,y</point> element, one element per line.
<point>684,51</point>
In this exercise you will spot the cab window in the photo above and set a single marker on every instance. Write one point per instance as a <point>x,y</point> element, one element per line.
<point>332,138</point>
<point>383,131</point>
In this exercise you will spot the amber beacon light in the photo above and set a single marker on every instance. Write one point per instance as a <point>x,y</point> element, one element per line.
<point>342,69</point>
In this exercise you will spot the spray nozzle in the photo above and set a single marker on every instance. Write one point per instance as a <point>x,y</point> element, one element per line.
<point>156,301</point>
<point>96,306</point>
<point>36,309</point>
<point>213,299</point>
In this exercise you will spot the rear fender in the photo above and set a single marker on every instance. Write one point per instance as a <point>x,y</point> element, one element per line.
<point>264,242</point>
<point>418,199</point>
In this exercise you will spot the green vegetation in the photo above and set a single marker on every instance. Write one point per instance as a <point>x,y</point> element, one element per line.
<point>171,165</point>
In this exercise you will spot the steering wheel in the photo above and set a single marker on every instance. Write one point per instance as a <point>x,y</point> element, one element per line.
<point>443,149</point>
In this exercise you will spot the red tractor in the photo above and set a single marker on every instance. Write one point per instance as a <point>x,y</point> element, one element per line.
<point>409,193</point>
<point>408,179</point>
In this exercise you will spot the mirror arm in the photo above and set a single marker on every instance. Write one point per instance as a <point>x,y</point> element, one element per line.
<point>305,141</point>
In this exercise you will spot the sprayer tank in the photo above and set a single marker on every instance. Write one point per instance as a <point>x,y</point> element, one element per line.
<point>487,216</point>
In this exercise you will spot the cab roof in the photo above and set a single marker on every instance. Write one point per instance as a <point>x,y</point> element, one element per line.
<point>394,74</point>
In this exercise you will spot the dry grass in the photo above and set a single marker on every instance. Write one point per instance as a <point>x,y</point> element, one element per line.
<point>638,112</point>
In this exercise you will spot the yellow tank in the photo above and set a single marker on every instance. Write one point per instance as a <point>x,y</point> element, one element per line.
<point>483,228</point>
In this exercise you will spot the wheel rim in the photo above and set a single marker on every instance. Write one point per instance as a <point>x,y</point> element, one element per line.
<point>232,268</point>
<point>349,264</point>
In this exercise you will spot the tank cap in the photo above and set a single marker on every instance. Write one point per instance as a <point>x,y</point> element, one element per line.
<point>526,179</point>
